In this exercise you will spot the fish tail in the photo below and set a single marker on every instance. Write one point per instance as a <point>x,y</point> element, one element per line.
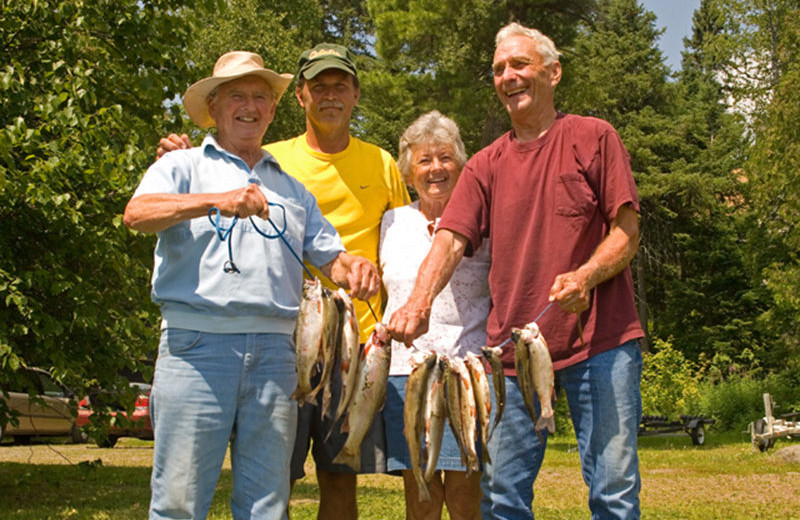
<point>548,423</point>
<point>351,458</point>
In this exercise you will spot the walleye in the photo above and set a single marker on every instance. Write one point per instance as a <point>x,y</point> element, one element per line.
<point>368,397</point>
<point>461,409</point>
<point>492,355</point>
<point>483,398</point>
<point>348,353</point>
<point>414,417</point>
<point>435,416</point>
<point>308,337</point>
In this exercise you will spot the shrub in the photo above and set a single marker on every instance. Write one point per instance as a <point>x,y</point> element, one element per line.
<point>669,381</point>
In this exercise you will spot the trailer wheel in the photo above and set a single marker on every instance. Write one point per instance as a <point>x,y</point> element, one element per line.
<point>761,428</point>
<point>698,435</point>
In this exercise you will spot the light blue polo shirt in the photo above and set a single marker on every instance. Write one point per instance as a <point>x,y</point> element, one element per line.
<point>189,283</point>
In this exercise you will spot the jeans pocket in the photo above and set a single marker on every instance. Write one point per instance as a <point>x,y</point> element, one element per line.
<point>175,341</point>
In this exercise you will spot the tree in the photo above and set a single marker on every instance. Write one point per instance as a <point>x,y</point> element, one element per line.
<point>83,85</point>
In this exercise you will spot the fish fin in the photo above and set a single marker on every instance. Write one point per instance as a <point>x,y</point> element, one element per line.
<point>423,491</point>
<point>485,458</point>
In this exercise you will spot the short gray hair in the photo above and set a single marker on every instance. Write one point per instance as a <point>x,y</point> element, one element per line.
<point>544,45</point>
<point>431,127</point>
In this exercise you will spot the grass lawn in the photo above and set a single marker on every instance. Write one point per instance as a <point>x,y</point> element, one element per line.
<point>725,479</point>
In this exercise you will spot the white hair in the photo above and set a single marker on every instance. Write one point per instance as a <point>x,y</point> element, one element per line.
<point>544,45</point>
<point>431,127</point>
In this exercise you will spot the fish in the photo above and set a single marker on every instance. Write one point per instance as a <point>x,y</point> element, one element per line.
<point>349,351</point>
<point>369,395</point>
<point>435,417</point>
<point>461,410</point>
<point>308,337</point>
<point>483,399</point>
<point>522,364</point>
<point>330,347</point>
<point>492,355</point>
<point>414,418</point>
<point>543,378</point>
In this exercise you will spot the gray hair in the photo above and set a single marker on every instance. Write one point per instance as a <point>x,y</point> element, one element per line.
<point>430,127</point>
<point>544,45</point>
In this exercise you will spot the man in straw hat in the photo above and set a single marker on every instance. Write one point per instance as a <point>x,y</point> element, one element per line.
<point>226,364</point>
<point>355,183</point>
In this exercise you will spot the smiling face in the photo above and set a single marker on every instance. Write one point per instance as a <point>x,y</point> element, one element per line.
<point>523,82</point>
<point>434,171</point>
<point>242,110</point>
<point>328,99</point>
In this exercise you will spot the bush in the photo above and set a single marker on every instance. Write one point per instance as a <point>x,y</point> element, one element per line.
<point>669,381</point>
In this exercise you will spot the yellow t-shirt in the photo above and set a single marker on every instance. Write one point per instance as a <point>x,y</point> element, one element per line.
<point>353,189</point>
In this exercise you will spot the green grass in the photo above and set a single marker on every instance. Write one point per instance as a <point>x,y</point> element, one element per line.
<point>725,479</point>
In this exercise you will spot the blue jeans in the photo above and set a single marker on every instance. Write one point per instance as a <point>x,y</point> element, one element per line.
<point>606,407</point>
<point>212,388</point>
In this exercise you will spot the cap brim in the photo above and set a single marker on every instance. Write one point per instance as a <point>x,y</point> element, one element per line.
<point>194,100</point>
<point>315,68</point>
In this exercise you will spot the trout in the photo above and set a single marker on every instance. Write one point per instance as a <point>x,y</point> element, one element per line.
<point>522,364</point>
<point>492,355</point>
<point>435,415</point>
<point>330,347</point>
<point>414,417</point>
<point>543,378</point>
<point>483,399</point>
<point>368,397</point>
<point>461,410</point>
<point>348,353</point>
<point>308,335</point>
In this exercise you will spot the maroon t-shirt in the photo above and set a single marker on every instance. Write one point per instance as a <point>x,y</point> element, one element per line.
<point>547,204</point>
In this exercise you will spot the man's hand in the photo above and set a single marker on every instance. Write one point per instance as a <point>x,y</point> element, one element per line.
<point>571,292</point>
<point>354,273</point>
<point>244,203</point>
<point>409,322</point>
<point>172,142</point>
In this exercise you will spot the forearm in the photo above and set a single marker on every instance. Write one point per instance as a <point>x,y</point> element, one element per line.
<point>155,212</point>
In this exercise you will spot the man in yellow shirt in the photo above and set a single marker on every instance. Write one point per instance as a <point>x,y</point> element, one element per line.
<point>354,183</point>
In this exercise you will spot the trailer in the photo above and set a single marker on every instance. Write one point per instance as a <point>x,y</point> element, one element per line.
<point>694,425</point>
<point>765,431</point>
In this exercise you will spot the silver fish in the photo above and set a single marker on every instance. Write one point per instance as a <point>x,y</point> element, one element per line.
<point>330,347</point>
<point>369,395</point>
<point>308,336</point>
<point>483,398</point>
<point>543,378</point>
<point>461,410</point>
<point>435,416</point>
<point>348,353</point>
<point>492,355</point>
<point>413,418</point>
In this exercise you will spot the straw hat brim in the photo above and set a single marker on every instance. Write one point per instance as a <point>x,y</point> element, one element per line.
<point>194,100</point>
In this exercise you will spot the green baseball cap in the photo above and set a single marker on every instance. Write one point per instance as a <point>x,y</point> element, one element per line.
<point>325,56</point>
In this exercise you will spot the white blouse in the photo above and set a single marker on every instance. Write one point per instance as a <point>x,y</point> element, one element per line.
<point>458,316</point>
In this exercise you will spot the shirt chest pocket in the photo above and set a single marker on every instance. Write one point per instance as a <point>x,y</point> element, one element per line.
<point>574,197</point>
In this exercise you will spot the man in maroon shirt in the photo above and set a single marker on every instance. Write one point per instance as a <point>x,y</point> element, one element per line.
<point>557,197</point>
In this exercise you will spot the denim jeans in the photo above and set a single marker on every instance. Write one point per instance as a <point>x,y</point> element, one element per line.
<point>210,389</point>
<point>605,406</point>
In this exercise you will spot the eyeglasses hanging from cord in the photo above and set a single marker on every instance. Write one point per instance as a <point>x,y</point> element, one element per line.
<point>224,234</point>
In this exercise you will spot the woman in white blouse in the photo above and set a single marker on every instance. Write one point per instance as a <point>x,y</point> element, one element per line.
<point>431,157</point>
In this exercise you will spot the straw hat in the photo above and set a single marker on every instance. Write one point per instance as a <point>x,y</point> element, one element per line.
<point>230,66</point>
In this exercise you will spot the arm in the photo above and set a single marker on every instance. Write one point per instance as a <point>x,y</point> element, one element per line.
<point>154,212</point>
<point>355,273</point>
<point>411,320</point>
<point>571,290</point>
